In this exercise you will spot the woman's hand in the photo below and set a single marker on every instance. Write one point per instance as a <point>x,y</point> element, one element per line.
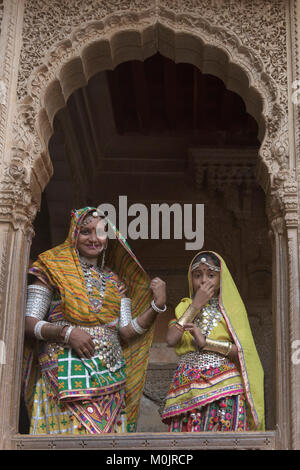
<point>82,343</point>
<point>146,319</point>
<point>159,289</point>
<point>203,295</point>
<point>196,333</point>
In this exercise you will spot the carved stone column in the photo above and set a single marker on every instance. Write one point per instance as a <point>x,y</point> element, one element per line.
<point>280,316</point>
<point>292,218</point>
<point>283,213</point>
<point>294,320</point>
<point>282,208</point>
<point>16,213</point>
<point>14,254</point>
<point>292,222</point>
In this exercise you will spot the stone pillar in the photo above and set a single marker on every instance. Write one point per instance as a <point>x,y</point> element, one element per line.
<point>14,254</point>
<point>283,214</point>
<point>280,315</point>
<point>292,221</point>
<point>17,211</point>
<point>294,319</point>
<point>15,228</point>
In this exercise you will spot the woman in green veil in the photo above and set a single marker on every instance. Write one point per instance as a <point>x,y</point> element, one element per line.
<point>218,383</point>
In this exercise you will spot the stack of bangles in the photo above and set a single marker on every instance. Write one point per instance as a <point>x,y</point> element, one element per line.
<point>52,332</point>
<point>157,309</point>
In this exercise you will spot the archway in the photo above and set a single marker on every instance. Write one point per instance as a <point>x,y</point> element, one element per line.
<point>123,134</point>
<point>73,62</point>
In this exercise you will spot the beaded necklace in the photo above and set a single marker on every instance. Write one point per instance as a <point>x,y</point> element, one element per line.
<point>209,316</point>
<point>98,283</point>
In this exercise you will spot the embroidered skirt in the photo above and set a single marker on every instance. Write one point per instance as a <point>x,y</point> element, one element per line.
<point>75,395</point>
<point>227,414</point>
<point>206,394</point>
<point>49,416</point>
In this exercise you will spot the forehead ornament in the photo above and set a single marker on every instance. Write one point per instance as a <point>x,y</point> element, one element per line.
<point>90,217</point>
<point>204,261</point>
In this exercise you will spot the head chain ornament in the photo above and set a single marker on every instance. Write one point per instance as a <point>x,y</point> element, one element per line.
<point>204,261</point>
<point>89,218</point>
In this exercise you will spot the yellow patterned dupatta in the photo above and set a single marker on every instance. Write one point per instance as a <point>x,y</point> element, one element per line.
<point>60,267</point>
<point>235,315</point>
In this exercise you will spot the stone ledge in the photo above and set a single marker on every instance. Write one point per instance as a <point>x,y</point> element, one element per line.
<point>148,441</point>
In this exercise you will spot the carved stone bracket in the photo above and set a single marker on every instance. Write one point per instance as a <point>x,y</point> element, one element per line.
<point>23,178</point>
<point>283,200</point>
<point>16,204</point>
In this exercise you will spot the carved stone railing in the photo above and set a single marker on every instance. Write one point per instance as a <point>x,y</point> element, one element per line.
<point>148,442</point>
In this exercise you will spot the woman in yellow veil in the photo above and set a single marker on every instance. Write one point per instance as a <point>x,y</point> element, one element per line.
<point>84,368</point>
<point>218,383</point>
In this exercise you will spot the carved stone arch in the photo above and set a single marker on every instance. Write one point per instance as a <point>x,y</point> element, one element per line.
<point>93,47</point>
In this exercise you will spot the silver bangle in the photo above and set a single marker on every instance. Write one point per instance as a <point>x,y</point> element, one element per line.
<point>67,334</point>
<point>137,328</point>
<point>38,329</point>
<point>38,301</point>
<point>157,309</point>
<point>125,312</point>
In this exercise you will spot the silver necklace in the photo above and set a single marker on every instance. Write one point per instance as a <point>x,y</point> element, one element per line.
<point>210,315</point>
<point>90,281</point>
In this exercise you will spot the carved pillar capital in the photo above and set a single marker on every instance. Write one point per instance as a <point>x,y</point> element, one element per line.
<point>17,204</point>
<point>282,201</point>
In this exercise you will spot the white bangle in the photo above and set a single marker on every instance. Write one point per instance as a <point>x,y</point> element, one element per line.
<point>157,309</point>
<point>137,328</point>
<point>67,334</point>
<point>38,329</point>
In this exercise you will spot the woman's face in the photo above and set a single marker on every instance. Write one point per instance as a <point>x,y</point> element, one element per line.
<point>92,238</point>
<point>203,274</point>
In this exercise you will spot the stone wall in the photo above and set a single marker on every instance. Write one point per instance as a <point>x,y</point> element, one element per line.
<point>252,45</point>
